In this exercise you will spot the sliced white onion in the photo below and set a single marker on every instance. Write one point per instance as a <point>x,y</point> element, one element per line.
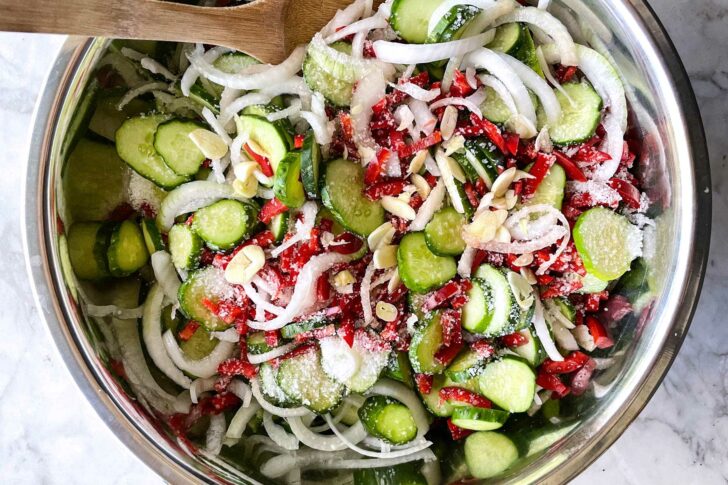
<point>242,390</point>
<point>331,60</point>
<point>614,145</point>
<point>492,61</point>
<point>271,354</point>
<point>115,311</point>
<point>257,80</point>
<point>367,93</point>
<point>428,208</point>
<point>425,120</point>
<point>421,445</point>
<point>216,125</point>
<point>355,433</point>
<point>550,25</point>
<point>501,90</point>
<point>364,25</point>
<point>260,301</point>
<point>205,367</point>
<point>417,92</point>
<point>448,76</point>
<point>455,101</point>
<point>535,83</point>
<point>152,332</point>
<point>199,387</point>
<point>465,265</point>
<point>404,117</point>
<point>293,110</point>
<point>138,91</point>
<point>320,127</point>
<point>397,53</point>
<point>443,164</point>
<point>345,17</point>
<point>275,410</point>
<point>279,435</point>
<point>215,434</point>
<point>550,76</point>
<point>543,334</point>
<point>240,420</point>
<point>192,196</point>
<point>156,68</point>
<point>444,8</point>
<point>487,16</point>
<point>239,104</point>
<point>365,293</point>
<point>192,74</point>
<point>165,274</point>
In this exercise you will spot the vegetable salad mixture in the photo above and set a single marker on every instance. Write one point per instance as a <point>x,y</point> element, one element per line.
<point>369,261</point>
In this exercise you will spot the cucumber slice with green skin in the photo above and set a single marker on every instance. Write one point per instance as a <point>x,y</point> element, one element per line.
<point>404,474</point>
<point>490,159</point>
<point>185,246</point>
<point>411,18</point>
<point>506,38</point>
<point>532,351</point>
<point>491,309</point>
<point>420,269</point>
<point>414,304</point>
<point>292,329</point>
<point>388,419</point>
<point>94,181</point>
<point>135,145</point>
<point>266,135</point>
<point>310,162</point>
<point>152,238</point>
<point>467,365</point>
<point>107,118</point>
<point>200,345</point>
<point>453,24</point>
<point>207,283</point>
<point>224,224</point>
<point>279,226</point>
<point>268,378</point>
<point>87,246</point>
<point>343,195</point>
<point>468,209</point>
<point>256,343</point>
<point>442,233</point>
<point>201,96</point>
<point>399,368</point>
<point>287,185</point>
<point>488,453</point>
<point>510,383</point>
<point>478,419</point>
<point>328,77</point>
<point>127,251</point>
<point>579,120</point>
<point>515,40</point>
<point>357,367</point>
<point>425,343</point>
<point>80,118</point>
<point>566,307</point>
<point>264,110</point>
<point>606,242</point>
<point>493,108</point>
<point>173,143</point>
<point>439,407</point>
<point>303,379</point>
<point>551,189</point>
<point>234,62</point>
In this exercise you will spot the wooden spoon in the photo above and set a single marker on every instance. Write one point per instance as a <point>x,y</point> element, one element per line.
<point>265,29</point>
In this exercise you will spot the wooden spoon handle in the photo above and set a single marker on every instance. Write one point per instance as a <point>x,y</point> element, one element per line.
<point>142,19</point>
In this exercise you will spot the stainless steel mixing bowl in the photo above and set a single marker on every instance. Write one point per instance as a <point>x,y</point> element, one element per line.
<point>675,172</point>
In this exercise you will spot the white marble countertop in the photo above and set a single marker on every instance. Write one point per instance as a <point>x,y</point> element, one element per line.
<point>49,433</point>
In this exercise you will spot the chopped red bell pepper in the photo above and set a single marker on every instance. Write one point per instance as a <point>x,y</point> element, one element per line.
<point>564,74</point>
<point>592,303</point>
<point>629,193</point>
<point>459,394</point>
<point>271,209</point>
<point>237,367</point>
<point>445,355</point>
<point>323,288</point>
<point>483,348</point>
<point>407,151</point>
<point>589,154</point>
<point>514,340</point>
<point>264,163</point>
<point>572,170</point>
<point>424,383</point>
<point>441,296</point>
<point>379,189</point>
<point>298,142</point>
<point>346,331</point>
<point>460,87</point>
<point>471,194</point>
<point>599,333</point>
<point>346,243</point>
<point>457,432</point>
<point>189,330</point>
<point>511,141</point>
<point>571,363</point>
<point>482,126</point>
<point>540,168</point>
<point>551,382</point>
<point>452,333</point>
<point>272,338</point>
<point>377,167</point>
<point>316,333</point>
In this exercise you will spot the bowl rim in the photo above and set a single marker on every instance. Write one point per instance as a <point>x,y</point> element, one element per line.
<point>45,278</point>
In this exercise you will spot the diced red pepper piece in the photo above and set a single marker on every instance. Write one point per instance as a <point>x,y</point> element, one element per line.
<point>346,243</point>
<point>589,154</point>
<point>377,167</point>
<point>564,74</point>
<point>471,194</point>
<point>316,333</point>
<point>424,383</point>
<point>514,340</point>
<point>463,395</point>
<point>379,189</point>
<point>346,331</point>
<point>407,151</point>
<point>511,141</point>
<point>451,329</point>
<point>298,142</point>
<point>540,168</point>
<point>272,338</point>
<point>445,355</point>
<point>271,209</point>
<point>460,87</point>
<point>551,382</point>
<point>264,163</point>
<point>441,296</point>
<point>629,193</point>
<point>482,126</point>
<point>599,333</point>
<point>483,348</point>
<point>457,432</point>
<point>592,302</point>
<point>323,288</point>
<point>572,170</point>
<point>581,378</point>
<point>237,367</point>
<point>571,363</point>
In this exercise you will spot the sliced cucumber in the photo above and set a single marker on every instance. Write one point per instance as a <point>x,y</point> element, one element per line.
<point>424,345</point>
<point>303,379</point>
<point>483,151</point>
<point>410,18</point>
<point>87,246</point>
<point>209,284</point>
<point>467,365</point>
<point>478,419</point>
<point>490,309</point>
<point>399,368</point>
<point>173,143</point>
<point>532,351</point>
<point>279,226</point>
<point>135,145</point>
<point>234,62</point>
<point>287,185</point>
<point>506,38</point>
<point>256,344</point>
<point>420,269</point>
<point>185,246</point>
<point>310,161</point>
<point>263,110</point>
<point>107,118</point>
<point>592,284</point>
<point>127,251</point>
<point>199,345</point>
<point>414,304</point>
<point>225,223</point>
<point>510,383</point>
<point>292,329</point>
<point>551,189</point>
<point>357,367</point>
<point>453,24</point>
<point>388,419</point>
<point>440,407</point>
<point>94,181</point>
<point>580,114</point>
<point>606,242</point>
<point>494,108</point>
<point>268,377</point>
<point>343,195</point>
<point>488,453</point>
<point>515,40</point>
<point>265,135</point>
<point>324,75</point>
<point>152,237</point>
<point>442,233</point>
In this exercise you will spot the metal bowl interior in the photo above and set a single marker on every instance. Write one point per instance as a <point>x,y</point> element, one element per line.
<point>673,169</point>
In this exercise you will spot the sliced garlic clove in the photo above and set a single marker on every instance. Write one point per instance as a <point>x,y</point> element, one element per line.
<point>386,311</point>
<point>245,265</point>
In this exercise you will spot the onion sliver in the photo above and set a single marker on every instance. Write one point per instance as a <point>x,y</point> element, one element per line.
<point>239,104</point>
<point>205,367</point>
<point>191,196</point>
<point>542,332</point>
<point>240,420</point>
<point>365,293</point>
<point>199,387</point>
<point>279,435</point>
<point>416,92</point>
<point>375,454</point>
<point>397,53</point>
<point>455,101</point>
<point>272,354</point>
<point>356,433</point>
<point>152,332</point>
<point>261,302</point>
<point>444,8</point>
<point>432,204</point>
<point>215,434</point>
<point>165,274</point>
<point>282,412</point>
<point>535,83</point>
